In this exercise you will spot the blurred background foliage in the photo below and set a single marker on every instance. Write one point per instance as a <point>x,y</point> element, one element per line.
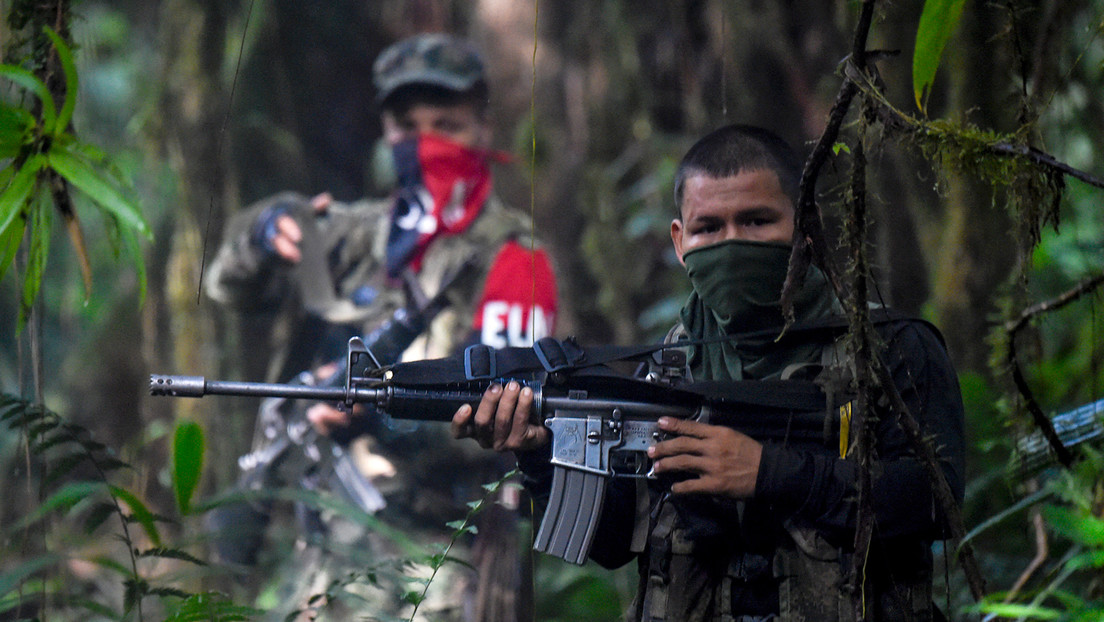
<point>209,105</point>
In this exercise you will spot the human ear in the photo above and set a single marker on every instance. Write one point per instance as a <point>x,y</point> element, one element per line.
<point>676,238</point>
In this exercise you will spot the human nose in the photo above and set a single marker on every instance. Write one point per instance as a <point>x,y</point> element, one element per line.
<point>732,231</point>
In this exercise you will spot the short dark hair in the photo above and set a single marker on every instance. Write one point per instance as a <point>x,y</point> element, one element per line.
<point>735,148</point>
<point>406,97</point>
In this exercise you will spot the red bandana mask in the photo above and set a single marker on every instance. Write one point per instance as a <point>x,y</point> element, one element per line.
<point>442,188</point>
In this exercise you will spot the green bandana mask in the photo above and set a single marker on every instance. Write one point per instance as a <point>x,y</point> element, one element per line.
<point>737,289</point>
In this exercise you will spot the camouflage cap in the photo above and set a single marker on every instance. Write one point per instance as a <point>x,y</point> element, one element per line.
<point>435,58</point>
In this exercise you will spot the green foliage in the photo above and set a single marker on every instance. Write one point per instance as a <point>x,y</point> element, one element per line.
<point>187,463</point>
<point>460,528</point>
<point>211,607</point>
<point>937,23</point>
<point>76,491</point>
<point>1078,523</point>
<point>43,155</point>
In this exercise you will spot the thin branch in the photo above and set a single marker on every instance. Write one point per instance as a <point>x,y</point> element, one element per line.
<point>865,417</point>
<point>895,119</point>
<point>1012,327</point>
<point>1045,160</point>
<point>942,490</point>
<point>1059,301</point>
<point>1042,551</point>
<point>1042,422</point>
<point>810,244</point>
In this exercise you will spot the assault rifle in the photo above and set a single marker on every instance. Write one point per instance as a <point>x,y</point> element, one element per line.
<point>602,422</point>
<point>287,450</point>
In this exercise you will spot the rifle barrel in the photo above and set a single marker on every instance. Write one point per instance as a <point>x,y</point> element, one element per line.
<point>198,386</point>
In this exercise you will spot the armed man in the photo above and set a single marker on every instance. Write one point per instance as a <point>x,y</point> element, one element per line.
<point>343,269</point>
<point>756,529</point>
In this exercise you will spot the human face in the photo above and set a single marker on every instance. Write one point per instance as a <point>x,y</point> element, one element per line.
<point>459,122</point>
<point>748,206</point>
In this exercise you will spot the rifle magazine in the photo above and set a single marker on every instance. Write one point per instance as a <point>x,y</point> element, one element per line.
<point>571,518</point>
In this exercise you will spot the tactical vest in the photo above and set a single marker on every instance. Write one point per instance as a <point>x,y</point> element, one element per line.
<point>684,580</point>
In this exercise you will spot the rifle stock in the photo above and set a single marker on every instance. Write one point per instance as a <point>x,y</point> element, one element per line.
<point>597,434</point>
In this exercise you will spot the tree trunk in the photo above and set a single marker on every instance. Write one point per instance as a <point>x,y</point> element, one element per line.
<point>194,101</point>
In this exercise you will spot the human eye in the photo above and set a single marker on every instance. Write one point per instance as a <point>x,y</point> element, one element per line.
<point>448,126</point>
<point>758,219</point>
<point>704,227</point>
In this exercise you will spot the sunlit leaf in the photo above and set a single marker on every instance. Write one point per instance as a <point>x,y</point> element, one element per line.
<point>937,23</point>
<point>81,174</point>
<point>1090,559</point>
<point>1013,610</point>
<point>1081,528</point>
<point>67,66</point>
<point>140,512</point>
<point>27,80</point>
<point>187,463</point>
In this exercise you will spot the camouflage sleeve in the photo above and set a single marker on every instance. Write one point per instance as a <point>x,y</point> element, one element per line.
<point>338,278</point>
<point>244,275</point>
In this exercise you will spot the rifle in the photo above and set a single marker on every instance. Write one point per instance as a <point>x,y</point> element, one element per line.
<point>287,448</point>
<point>597,433</point>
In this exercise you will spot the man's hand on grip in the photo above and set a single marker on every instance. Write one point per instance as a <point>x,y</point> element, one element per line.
<point>724,461</point>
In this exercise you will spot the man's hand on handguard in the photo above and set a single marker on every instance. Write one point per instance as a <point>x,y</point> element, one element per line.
<point>502,421</point>
<point>725,461</point>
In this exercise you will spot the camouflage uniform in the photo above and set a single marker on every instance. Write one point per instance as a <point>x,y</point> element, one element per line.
<point>342,280</point>
<point>344,253</point>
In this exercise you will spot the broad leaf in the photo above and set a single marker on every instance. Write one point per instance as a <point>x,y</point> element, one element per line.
<point>27,80</point>
<point>187,463</point>
<point>937,23</point>
<point>87,180</point>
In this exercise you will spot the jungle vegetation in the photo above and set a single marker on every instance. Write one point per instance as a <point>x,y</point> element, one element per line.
<point>955,172</point>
